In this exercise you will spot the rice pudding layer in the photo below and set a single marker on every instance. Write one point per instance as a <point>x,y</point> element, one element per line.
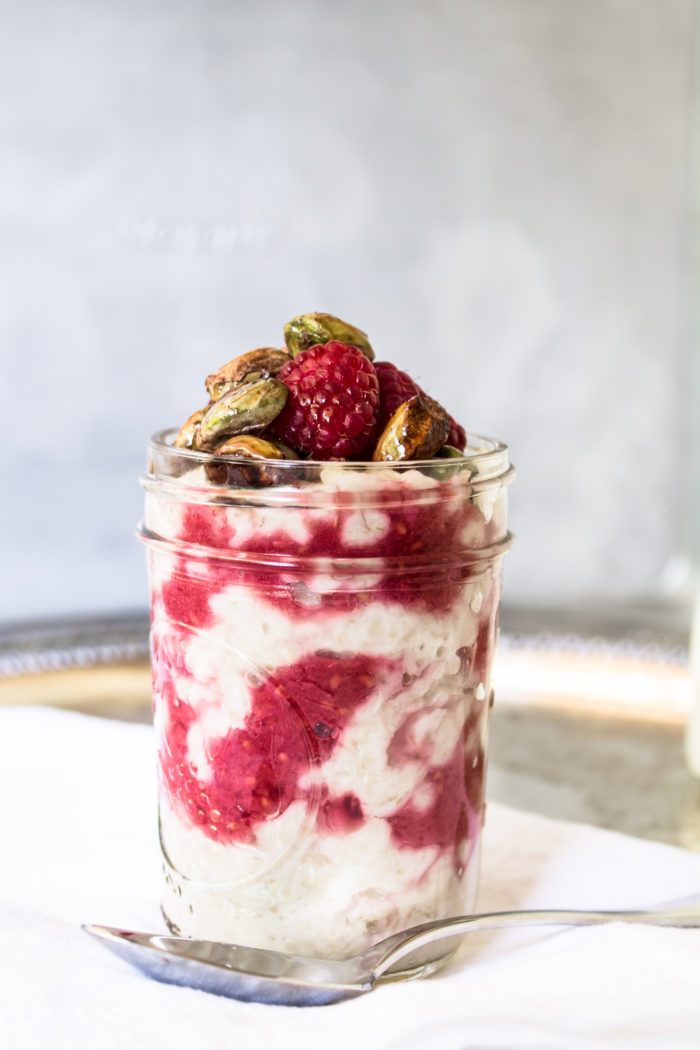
<point>321,669</point>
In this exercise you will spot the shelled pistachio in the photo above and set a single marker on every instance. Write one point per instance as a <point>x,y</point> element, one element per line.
<point>246,409</point>
<point>310,329</point>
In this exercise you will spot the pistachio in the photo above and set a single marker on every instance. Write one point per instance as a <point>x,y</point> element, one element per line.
<point>249,446</point>
<point>246,368</point>
<point>445,466</point>
<point>417,429</point>
<point>259,472</point>
<point>245,409</point>
<point>309,329</point>
<point>187,434</point>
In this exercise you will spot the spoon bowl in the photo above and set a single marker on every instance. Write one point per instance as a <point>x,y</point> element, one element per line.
<point>266,976</point>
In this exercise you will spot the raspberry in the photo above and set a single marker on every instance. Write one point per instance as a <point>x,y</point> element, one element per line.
<point>395,387</point>
<point>457,436</point>
<point>331,409</point>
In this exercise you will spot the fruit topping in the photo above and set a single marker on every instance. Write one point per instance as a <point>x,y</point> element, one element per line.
<point>332,405</point>
<point>395,387</point>
<point>457,436</point>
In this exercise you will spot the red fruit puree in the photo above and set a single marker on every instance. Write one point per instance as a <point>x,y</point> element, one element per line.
<point>299,712</point>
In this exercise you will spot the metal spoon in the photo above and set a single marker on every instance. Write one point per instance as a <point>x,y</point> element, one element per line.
<point>265,976</point>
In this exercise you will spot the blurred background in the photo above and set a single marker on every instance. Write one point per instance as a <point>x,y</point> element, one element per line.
<point>499,193</point>
<point>502,193</point>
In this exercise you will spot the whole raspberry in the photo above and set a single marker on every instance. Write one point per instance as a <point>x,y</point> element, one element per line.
<point>395,387</point>
<point>331,409</point>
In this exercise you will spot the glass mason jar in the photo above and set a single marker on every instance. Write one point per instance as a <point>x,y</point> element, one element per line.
<point>322,641</point>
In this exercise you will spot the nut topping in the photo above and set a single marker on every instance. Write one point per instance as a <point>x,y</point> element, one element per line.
<point>245,409</point>
<point>311,329</point>
<point>246,368</point>
<point>417,429</point>
<point>187,434</point>
<point>249,446</point>
<point>260,472</point>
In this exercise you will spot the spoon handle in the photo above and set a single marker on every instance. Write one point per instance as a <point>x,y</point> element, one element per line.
<point>685,913</point>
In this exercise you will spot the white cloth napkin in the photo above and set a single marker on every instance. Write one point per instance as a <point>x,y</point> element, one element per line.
<point>79,844</point>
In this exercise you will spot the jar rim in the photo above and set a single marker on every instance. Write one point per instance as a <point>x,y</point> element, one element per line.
<point>478,448</point>
<point>185,474</point>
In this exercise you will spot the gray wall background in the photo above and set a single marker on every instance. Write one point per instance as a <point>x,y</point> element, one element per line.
<point>498,192</point>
